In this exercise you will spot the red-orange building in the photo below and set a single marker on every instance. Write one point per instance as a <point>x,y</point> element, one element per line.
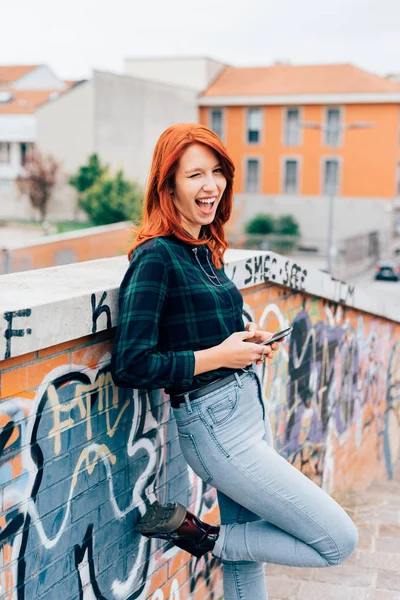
<point>262,115</point>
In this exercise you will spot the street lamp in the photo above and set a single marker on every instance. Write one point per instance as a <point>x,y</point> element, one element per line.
<point>334,131</point>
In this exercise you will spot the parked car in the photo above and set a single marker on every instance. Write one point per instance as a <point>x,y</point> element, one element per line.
<point>388,269</point>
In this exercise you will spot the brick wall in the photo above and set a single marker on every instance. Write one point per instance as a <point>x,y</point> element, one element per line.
<point>61,249</point>
<point>81,457</point>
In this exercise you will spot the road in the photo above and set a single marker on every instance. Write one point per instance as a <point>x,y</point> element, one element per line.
<point>367,281</point>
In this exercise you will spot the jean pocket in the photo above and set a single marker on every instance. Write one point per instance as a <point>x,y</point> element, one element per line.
<point>221,411</point>
<point>193,457</point>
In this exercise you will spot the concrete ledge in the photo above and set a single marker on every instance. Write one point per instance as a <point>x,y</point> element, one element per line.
<point>46,307</point>
<point>70,235</point>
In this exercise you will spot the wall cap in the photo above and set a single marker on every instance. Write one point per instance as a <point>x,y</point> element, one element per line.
<point>46,307</point>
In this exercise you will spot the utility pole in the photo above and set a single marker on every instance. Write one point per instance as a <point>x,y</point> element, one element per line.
<point>334,132</point>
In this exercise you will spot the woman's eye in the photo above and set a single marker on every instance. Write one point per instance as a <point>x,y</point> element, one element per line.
<point>219,170</point>
<point>195,175</point>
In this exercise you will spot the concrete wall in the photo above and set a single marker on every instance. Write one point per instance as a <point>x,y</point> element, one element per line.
<point>81,458</point>
<point>66,248</point>
<point>352,216</point>
<point>65,127</point>
<point>195,73</point>
<point>130,115</point>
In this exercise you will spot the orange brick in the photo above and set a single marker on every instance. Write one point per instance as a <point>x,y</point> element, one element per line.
<point>25,378</point>
<point>90,355</point>
<point>59,347</point>
<point>157,580</point>
<point>17,360</point>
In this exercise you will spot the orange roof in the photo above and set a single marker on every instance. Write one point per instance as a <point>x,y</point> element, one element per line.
<point>71,82</point>
<point>9,74</point>
<point>293,80</point>
<point>24,102</point>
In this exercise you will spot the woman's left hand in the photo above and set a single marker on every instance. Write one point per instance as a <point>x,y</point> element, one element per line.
<point>260,336</point>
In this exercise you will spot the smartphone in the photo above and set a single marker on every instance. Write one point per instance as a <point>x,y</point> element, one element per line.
<point>279,335</point>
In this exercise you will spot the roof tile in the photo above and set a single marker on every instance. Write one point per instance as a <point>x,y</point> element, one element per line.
<point>294,80</point>
<point>10,73</point>
<point>24,102</point>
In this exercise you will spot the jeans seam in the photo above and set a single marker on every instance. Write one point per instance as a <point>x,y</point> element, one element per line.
<point>212,434</point>
<point>291,504</point>
<point>237,585</point>
<point>199,457</point>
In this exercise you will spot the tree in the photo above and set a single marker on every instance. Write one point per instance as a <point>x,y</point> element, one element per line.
<point>111,199</point>
<point>261,224</point>
<point>287,225</point>
<point>88,174</point>
<point>38,179</point>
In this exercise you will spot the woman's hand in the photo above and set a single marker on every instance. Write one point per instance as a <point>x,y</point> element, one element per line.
<point>239,351</point>
<point>260,336</point>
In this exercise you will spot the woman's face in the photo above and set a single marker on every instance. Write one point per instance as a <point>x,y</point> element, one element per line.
<point>199,185</point>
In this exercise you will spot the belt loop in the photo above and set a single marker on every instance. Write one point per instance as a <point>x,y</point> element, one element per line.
<point>187,402</point>
<point>239,382</point>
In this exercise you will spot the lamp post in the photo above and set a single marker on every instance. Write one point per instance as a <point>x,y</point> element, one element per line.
<point>335,131</point>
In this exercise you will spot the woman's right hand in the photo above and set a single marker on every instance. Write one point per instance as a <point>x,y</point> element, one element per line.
<point>236,353</point>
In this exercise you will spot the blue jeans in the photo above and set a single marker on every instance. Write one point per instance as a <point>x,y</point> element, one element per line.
<point>270,511</point>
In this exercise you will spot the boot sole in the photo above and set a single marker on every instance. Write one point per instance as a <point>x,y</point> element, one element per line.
<point>161,519</point>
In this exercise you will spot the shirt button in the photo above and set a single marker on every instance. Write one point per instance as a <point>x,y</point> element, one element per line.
<point>231,308</point>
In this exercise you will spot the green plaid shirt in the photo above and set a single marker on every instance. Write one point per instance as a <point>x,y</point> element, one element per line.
<point>172,302</point>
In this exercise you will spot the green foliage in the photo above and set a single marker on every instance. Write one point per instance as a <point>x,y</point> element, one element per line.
<point>104,197</point>
<point>267,232</point>
<point>112,199</point>
<point>261,224</point>
<point>287,225</point>
<point>88,174</point>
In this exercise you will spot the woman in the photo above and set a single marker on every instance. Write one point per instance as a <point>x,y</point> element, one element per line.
<point>181,329</point>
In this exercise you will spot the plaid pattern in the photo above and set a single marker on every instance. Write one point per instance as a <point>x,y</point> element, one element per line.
<point>168,308</point>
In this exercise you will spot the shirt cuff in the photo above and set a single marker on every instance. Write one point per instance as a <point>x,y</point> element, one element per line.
<point>185,363</point>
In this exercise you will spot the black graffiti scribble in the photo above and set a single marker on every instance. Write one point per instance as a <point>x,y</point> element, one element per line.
<point>202,575</point>
<point>10,332</point>
<point>5,435</point>
<point>98,310</point>
<point>80,552</point>
<point>7,534</point>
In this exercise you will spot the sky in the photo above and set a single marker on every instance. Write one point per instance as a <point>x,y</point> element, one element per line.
<point>76,36</point>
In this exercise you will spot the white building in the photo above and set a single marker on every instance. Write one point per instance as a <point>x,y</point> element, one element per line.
<point>22,90</point>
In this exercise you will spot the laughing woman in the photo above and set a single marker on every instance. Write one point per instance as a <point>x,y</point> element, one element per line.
<point>181,329</point>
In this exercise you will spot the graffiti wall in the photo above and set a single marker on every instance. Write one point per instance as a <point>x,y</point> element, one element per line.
<point>333,390</point>
<point>82,459</point>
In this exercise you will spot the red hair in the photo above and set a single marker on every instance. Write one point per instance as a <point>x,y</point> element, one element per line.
<point>160,216</point>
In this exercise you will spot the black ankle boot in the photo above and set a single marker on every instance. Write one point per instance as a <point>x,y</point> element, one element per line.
<point>174,523</point>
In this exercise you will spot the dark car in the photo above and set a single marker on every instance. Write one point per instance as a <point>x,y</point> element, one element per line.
<point>388,269</point>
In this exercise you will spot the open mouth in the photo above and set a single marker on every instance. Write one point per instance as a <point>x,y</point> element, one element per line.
<point>206,206</point>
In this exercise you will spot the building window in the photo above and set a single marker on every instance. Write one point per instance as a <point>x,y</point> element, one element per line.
<point>26,148</point>
<point>292,127</point>
<point>217,121</point>
<point>5,152</point>
<point>252,175</point>
<point>291,176</point>
<point>331,177</point>
<point>254,125</point>
<point>333,125</point>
